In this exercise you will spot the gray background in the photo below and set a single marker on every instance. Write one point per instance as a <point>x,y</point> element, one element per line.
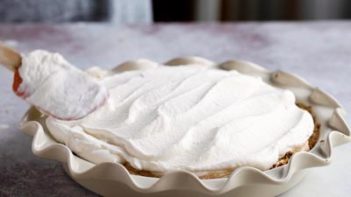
<point>59,11</point>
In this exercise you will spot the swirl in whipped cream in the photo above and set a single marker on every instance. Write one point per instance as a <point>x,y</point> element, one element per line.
<point>188,118</point>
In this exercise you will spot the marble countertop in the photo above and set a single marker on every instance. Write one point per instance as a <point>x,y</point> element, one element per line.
<point>317,51</point>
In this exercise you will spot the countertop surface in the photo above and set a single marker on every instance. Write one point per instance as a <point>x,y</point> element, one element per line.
<point>320,52</point>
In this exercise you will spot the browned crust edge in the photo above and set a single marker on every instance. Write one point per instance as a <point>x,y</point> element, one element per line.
<point>226,172</point>
<point>311,141</point>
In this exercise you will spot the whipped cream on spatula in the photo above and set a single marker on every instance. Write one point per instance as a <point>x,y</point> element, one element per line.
<point>49,82</point>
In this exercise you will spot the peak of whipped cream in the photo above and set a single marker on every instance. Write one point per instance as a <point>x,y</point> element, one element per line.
<point>56,87</point>
<point>188,118</point>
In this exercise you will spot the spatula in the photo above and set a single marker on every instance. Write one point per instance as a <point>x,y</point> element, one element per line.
<point>73,95</point>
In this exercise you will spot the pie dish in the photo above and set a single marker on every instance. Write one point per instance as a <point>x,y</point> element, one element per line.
<point>111,178</point>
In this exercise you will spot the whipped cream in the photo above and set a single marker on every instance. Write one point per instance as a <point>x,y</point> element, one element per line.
<point>188,118</point>
<point>56,87</point>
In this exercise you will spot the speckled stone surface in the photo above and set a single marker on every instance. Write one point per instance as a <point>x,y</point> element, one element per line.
<point>318,51</point>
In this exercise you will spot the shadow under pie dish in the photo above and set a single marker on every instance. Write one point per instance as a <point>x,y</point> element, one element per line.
<point>108,177</point>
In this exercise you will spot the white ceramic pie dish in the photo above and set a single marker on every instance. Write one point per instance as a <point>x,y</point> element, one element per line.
<point>110,179</point>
